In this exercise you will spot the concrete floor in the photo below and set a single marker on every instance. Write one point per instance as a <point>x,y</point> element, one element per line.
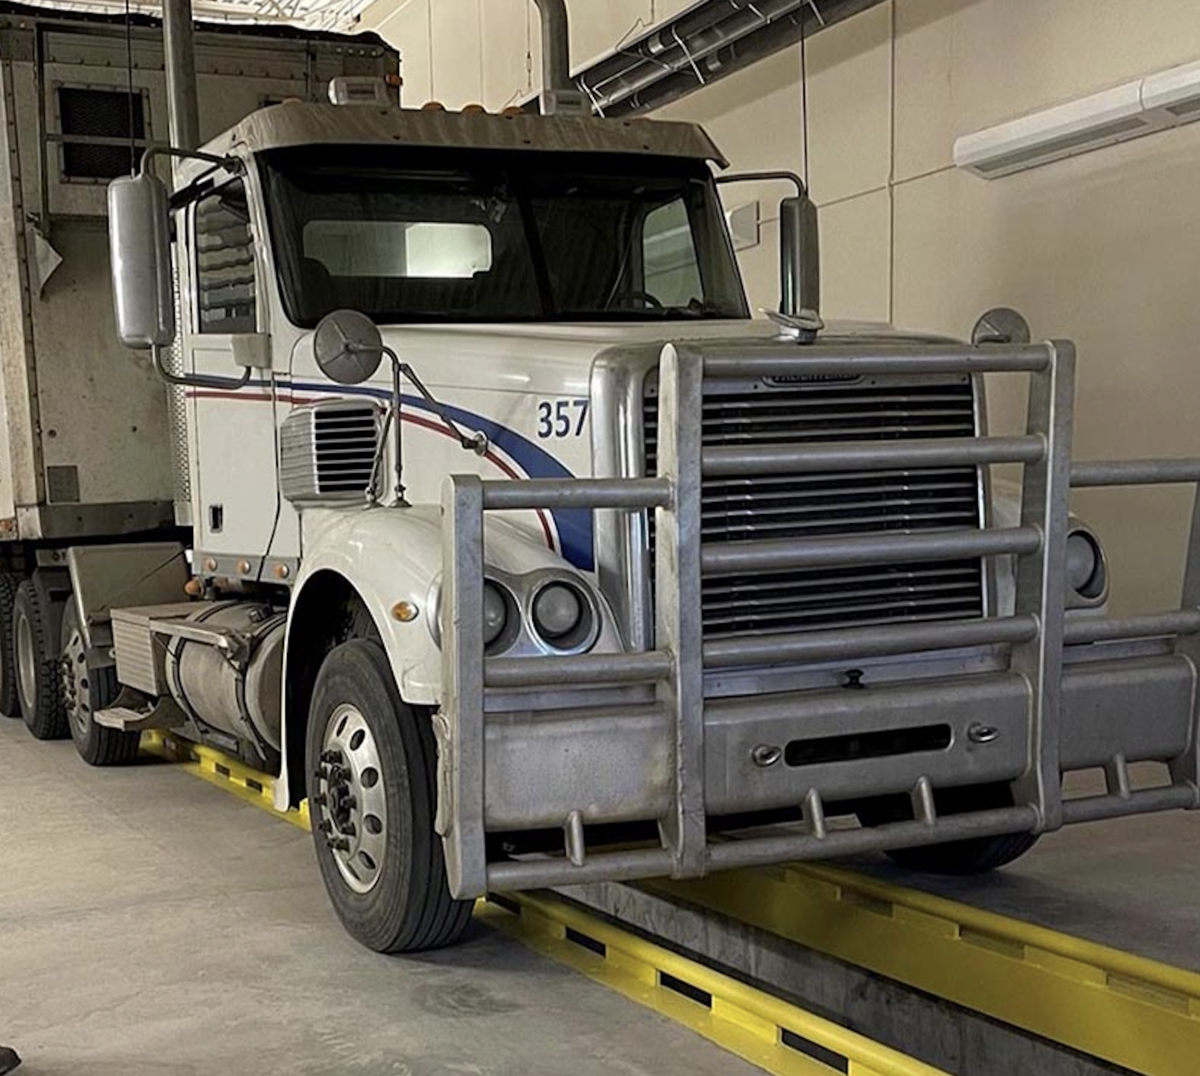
<point>151,924</point>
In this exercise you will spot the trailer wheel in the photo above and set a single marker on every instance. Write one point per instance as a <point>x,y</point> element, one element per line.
<point>36,651</point>
<point>10,701</point>
<point>974,855</point>
<point>371,763</point>
<point>84,692</point>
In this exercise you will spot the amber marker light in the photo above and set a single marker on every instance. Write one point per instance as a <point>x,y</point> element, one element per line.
<point>405,612</point>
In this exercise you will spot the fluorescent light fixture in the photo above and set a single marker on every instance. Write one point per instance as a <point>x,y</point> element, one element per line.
<point>1137,108</point>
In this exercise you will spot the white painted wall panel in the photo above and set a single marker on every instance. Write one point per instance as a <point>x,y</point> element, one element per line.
<point>1101,248</point>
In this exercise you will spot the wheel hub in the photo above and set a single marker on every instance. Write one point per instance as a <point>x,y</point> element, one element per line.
<point>350,805</point>
<point>26,662</point>
<point>75,684</point>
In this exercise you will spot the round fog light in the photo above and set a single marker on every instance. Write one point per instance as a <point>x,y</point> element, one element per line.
<point>495,612</point>
<point>562,615</point>
<point>557,610</point>
<point>1085,567</point>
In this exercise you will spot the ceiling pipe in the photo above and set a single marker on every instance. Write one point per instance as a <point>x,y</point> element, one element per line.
<point>559,92</point>
<point>179,47</point>
<point>702,45</point>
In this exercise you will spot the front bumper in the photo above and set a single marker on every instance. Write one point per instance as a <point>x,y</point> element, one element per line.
<point>1019,700</point>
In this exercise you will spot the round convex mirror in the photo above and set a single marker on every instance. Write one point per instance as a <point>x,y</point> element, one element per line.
<point>347,346</point>
<point>1001,325</point>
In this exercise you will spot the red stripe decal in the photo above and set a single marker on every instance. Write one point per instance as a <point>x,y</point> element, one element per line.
<point>407,416</point>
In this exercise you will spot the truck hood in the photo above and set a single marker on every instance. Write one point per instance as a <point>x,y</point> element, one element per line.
<point>557,357</point>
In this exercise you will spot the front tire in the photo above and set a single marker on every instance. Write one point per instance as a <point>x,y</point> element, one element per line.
<point>974,855</point>
<point>371,763</point>
<point>35,643</point>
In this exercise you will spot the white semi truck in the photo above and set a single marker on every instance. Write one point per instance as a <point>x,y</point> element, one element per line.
<point>517,547</point>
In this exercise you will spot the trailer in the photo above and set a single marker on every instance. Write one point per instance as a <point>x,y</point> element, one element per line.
<point>92,442</point>
<point>526,557</point>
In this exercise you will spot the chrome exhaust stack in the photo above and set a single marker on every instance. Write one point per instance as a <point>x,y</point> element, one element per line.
<point>560,95</point>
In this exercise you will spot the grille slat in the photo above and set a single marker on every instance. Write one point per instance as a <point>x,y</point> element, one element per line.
<point>861,502</point>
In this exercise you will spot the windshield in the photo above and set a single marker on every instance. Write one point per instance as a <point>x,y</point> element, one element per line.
<point>446,235</point>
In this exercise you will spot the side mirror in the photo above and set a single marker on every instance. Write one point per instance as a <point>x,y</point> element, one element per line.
<point>799,245</point>
<point>347,346</point>
<point>139,235</point>
<point>799,256</point>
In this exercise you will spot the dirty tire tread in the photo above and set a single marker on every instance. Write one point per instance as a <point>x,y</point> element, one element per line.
<point>976,855</point>
<point>10,701</point>
<point>406,912</point>
<point>104,746</point>
<point>100,746</point>
<point>47,717</point>
<point>117,748</point>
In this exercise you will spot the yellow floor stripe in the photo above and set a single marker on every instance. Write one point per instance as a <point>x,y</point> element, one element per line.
<point>1109,1004</point>
<point>778,1037</point>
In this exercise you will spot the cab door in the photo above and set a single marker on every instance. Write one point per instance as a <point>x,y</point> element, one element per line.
<point>234,468</point>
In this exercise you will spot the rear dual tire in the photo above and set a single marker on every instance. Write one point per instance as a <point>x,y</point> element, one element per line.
<point>35,652</point>
<point>10,701</point>
<point>86,691</point>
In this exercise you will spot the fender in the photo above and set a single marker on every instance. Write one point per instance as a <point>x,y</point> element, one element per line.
<point>388,554</point>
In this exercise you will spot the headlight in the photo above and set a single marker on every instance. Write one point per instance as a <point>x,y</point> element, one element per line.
<point>563,615</point>
<point>1085,565</point>
<point>498,609</point>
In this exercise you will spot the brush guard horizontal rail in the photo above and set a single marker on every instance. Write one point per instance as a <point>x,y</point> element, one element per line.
<point>1069,688</point>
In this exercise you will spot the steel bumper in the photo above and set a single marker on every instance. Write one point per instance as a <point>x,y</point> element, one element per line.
<point>1054,694</point>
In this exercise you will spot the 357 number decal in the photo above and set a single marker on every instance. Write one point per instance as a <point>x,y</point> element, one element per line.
<point>561,418</point>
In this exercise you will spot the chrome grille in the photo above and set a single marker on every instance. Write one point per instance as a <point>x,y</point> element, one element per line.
<point>794,506</point>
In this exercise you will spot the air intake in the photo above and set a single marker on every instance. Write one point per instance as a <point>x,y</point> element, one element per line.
<point>328,450</point>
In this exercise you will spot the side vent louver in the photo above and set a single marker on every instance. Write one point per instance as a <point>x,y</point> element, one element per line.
<point>327,451</point>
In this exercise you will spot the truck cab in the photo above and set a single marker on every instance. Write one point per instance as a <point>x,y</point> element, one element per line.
<point>525,556</point>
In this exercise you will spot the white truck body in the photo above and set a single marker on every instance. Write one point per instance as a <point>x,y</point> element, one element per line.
<point>734,573</point>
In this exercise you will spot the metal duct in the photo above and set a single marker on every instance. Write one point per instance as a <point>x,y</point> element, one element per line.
<point>556,45</point>
<point>702,45</point>
<point>559,92</point>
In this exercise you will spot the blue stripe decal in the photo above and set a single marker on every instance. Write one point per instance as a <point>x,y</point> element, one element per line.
<point>574,525</point>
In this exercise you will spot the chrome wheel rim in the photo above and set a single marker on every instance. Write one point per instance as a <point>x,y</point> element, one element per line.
<point>26,662</point>
<point>351,804</point>
<point>76,686</point>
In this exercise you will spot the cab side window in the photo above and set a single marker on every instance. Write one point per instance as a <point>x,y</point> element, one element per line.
<point>672,272</point>
<point>225,289</point>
